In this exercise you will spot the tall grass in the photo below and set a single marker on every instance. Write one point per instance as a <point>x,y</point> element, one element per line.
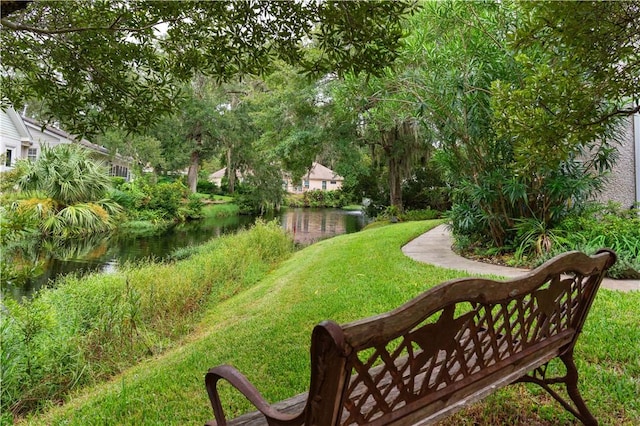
<point>221,210</point>
<point>88,329</point>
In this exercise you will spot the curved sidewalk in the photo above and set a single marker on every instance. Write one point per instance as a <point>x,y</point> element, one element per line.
<point>434,247</point>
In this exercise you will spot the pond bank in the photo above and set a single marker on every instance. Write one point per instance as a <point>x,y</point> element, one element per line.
<point>108,253</point>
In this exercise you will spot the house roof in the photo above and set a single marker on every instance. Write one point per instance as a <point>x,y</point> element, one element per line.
<point>219,174</point>
<point>317,172</point>
<point>222,173</point>
<point>61,133</point>
<point>19,125</point>
<point>320,172</point>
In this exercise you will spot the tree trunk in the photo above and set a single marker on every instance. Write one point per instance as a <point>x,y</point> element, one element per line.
<point>395,184</point>
<point>192,175</point>
<point>231,173</point>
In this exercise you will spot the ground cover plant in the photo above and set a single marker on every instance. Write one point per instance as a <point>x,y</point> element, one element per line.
<point>265,332</point>
<point>605,227</point>
<point>88,329</point>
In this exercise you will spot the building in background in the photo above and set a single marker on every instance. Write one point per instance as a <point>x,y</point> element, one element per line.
<point>318,177</point>
<point>623,183</point>
<point>23,138</point>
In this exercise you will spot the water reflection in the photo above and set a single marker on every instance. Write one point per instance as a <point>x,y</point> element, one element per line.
<point>310,225</point>
<point>44,263</point>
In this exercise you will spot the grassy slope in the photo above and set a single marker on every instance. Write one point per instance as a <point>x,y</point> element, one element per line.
<point>265,332</point>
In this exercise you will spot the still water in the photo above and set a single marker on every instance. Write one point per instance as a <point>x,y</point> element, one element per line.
<point>104,254</point>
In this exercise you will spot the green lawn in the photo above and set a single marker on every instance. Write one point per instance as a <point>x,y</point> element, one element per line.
<point>265,332</point>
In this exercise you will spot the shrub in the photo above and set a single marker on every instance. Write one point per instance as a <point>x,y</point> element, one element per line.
<point>206,187</point>
<point>167,197</point>
<point>426,189</point>
<point>598,227</point>
<point>193,208</point>
<point>608,227</point>
<point>424,214</point>
<point>319,198</point>
<point>154,202</point>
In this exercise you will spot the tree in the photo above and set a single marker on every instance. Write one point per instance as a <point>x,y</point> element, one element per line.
<point>289,116</point>
<point>237,131</point>
<point>98,63</point>
<point>581,66</point>
<point>192,135</point>
<point>144,149</point>
<point>386,112</point>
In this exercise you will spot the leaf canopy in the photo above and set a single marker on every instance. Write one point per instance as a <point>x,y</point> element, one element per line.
<point>99,63</point>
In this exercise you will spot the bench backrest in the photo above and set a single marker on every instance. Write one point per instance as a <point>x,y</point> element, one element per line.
<point>449,342</point>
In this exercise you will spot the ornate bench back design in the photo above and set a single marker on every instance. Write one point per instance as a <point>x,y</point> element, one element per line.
<point>459,332</point>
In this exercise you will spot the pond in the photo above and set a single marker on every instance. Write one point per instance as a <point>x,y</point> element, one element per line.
<point>104,254</point>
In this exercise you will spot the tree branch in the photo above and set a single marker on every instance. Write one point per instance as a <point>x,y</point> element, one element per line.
<point>7,7</point>
<point>615,112</point>
<point>112,28</point>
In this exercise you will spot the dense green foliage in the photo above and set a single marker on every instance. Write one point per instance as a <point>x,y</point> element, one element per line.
<point>162,201</point>
<point>64,193</point>
<point>581,71</point>
<point>319,198</point>
<point>93,64</point>
<point>599,227</point>
<point>88,329</point>
<point>265,332</point>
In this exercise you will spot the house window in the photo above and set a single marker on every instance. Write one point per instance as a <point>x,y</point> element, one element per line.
<point>8,155</point>
<point>333,182</point>
<point>32,154</point>
<point>120,171</point>
<point>324,184</point>
<point>306,184</point>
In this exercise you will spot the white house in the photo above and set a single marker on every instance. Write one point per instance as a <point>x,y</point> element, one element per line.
<point>216,177</point>
<point>23,138</point>
<point>15,139</point>
<point>318,177</point>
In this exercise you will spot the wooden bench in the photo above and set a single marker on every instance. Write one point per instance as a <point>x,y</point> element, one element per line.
<point>447,348</point>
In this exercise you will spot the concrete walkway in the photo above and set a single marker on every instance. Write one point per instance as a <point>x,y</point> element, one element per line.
<point>434,247</point>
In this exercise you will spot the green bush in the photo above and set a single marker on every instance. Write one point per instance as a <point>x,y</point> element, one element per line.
<point>118,181</point>
<point>88,329</point>
<point>167,197</point>
<point>156,202</point>
<point>426,189</point>
<point>320,198</point>
<point>206,187</point>
<point>608,227</point>
<point>600,227</point>
<point>193,207</point>
<point>130,197</point>
<point>489,208</point>
<point>424,214</point>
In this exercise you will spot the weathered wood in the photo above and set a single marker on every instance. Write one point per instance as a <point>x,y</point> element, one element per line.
<point>445,349</point>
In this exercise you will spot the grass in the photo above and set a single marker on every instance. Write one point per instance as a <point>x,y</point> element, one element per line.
<point>88,329</point>
<point>220,210</point>
<point>265,332</point>
<point>352,207</point>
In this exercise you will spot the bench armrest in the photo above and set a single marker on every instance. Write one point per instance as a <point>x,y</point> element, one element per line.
<point>242,384</point>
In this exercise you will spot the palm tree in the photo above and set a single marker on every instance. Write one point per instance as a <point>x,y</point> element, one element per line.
<point>65,192</point>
